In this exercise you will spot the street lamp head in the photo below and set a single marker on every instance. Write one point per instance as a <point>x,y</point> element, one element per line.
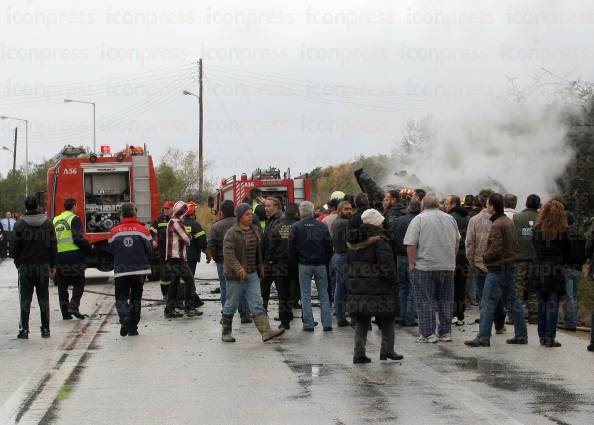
<point>67,100</point>
<point>6,149</point>
<point>3,117</point>
<point>187,93</point>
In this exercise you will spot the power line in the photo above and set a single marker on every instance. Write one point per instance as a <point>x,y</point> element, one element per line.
<point>107,88</point>
<point>309,83</point>
<point>369,106</point>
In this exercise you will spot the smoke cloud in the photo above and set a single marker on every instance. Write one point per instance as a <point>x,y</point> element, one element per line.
<point>515,148</point>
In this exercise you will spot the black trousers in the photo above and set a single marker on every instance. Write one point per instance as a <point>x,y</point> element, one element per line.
<point>128,295</point>
<point>182,281</point>
<point>193,264</point>
<point>460,277</point>
<point>266,284</point>
<point>362,327</point>
<point>34,277</point>
<point>164,278</point>
<point>70,276</point>
<point>286,279</point>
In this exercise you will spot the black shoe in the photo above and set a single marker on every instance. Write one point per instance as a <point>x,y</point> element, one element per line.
<point>198,303</point>
<point>391,356</point>
<point>246,320</point>
<point>133,332</point>
<point>277,319</point>
<point>410,325</point>
<point>477,320</point>
<point>516,340</point>
<point>567,328</point>
<point>477,343</point>
<point>67,316</point>
<point>172,314</point>
<point>327,328</point>
<point>76,313</point>
<point>23,334</point>
<point>361,359</point>
<point>45,332</point>
<point>308,329</point>
<point>216,291</point>
<point>590,347</point>
<point>285,326</point>
<point>192,312</point>
<point>123,329</point>
<point>343,323</point>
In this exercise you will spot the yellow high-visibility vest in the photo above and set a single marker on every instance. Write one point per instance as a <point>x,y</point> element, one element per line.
<point>63,228</point>
<point>262,222</point>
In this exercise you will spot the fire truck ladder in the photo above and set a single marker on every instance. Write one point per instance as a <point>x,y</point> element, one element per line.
<point>142,189</point>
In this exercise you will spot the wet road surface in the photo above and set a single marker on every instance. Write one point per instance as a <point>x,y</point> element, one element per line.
<point>178,372</point>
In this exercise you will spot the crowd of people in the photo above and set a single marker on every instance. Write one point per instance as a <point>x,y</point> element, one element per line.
<point>418,262</point>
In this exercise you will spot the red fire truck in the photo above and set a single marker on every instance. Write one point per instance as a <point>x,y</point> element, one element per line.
<point>100,183</point>
<point>270,182</point>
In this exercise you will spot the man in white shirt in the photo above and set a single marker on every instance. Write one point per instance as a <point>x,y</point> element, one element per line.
<point>8,229</point>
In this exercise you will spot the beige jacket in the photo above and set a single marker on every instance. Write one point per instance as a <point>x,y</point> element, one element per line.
<point>477,236</point>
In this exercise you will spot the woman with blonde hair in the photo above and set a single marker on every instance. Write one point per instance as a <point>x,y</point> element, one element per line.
<point>551,244</point>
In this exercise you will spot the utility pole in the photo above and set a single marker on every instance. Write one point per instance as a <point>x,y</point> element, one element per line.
<point>200,132</point>
<point>16,129</point>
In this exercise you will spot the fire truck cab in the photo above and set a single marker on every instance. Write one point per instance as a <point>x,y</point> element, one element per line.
<point>100,184</point>
<point>270,182</point>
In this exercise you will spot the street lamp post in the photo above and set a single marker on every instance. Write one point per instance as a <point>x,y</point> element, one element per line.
<point>4,117</point>
<point>200,143</point>
<point>94,119</point>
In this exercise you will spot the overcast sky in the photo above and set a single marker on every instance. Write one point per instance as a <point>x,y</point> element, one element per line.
<point>290,84</point>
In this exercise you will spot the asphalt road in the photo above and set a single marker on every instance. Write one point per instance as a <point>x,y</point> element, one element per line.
<point>179,372</point>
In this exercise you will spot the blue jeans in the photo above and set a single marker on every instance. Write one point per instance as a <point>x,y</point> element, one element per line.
<point>243,302</point>
<point>339,270</point>
<point>408,311</point>
<point>479,277</point>
<point>572,280</point>
<point>318,273</point>
<point>500,286</point>
<point>548,314</point>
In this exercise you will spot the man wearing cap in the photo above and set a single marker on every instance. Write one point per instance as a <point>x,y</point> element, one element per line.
<point>159,232</point>
<point>243,259</point>
<point>177,241</point>
<point>335,199</point>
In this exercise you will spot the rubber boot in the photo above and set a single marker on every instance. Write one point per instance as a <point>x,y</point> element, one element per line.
<point>263,325</point>
<point>227,323</point>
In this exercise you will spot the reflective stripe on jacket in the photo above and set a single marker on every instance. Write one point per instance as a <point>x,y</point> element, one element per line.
<point>63,228</point>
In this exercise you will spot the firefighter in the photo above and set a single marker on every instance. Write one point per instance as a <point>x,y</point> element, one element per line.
<point>159,232</point>
<point>198,245</point>
<point>70,262</point>
<point>256,200</point>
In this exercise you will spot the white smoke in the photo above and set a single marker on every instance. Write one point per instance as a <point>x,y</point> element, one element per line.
<point>517,148</point>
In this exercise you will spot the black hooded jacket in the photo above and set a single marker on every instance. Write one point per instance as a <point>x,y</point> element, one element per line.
<point>34,241</point>
<point>461,215</point>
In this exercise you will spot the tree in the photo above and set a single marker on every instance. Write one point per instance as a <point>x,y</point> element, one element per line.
<point>178,175</point>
